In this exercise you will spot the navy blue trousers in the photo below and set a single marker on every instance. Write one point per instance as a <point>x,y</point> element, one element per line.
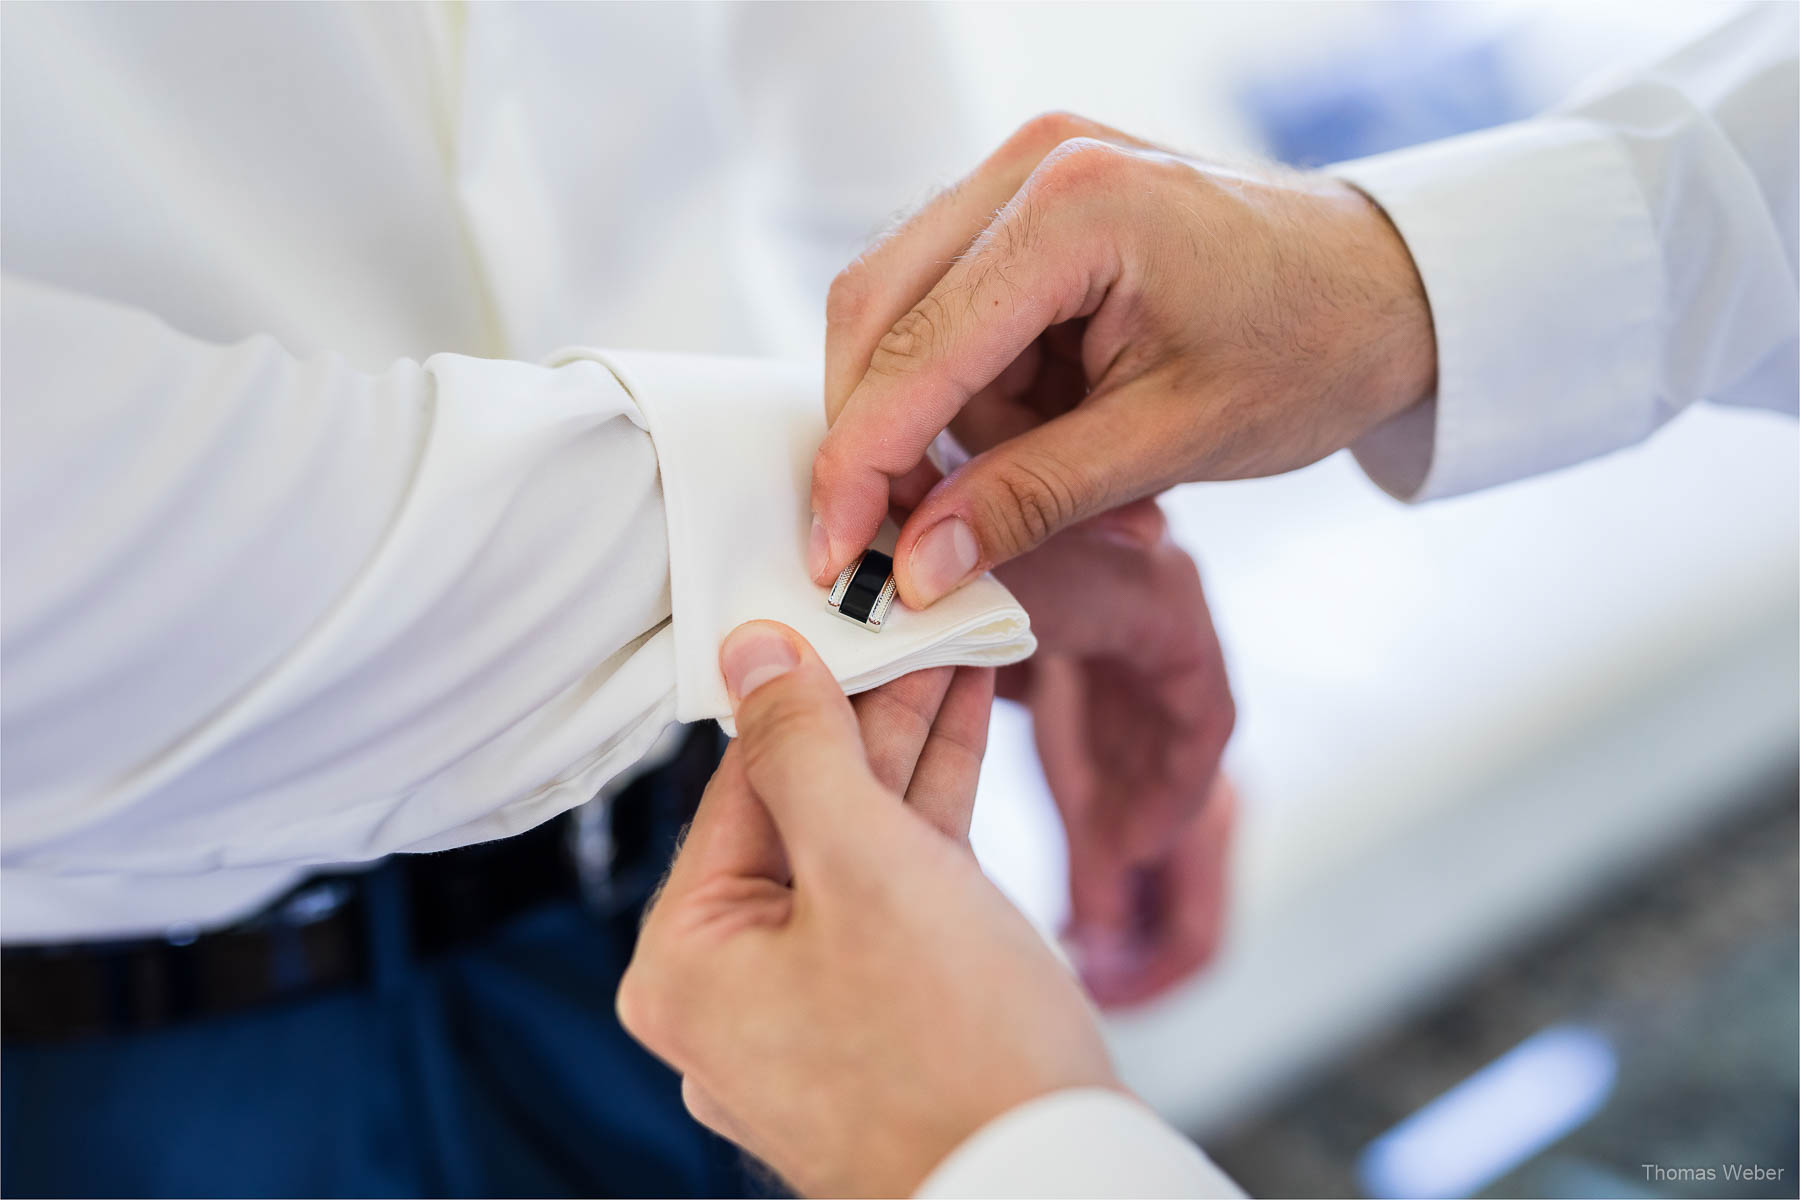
<point>497,1069</point>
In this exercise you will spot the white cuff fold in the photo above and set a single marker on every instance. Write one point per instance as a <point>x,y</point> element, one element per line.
<point>735,440</point>
<point>1074,1143</point>
<point>1540,261</point>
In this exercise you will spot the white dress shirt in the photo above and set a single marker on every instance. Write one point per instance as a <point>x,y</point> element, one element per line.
<point>277,594</point>
<point>1593,272</point>
<point>315,546</point>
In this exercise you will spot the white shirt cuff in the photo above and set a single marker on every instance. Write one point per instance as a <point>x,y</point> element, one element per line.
<point>1078,1142</point>
<point>1539,259</point>
<point>735,440</point>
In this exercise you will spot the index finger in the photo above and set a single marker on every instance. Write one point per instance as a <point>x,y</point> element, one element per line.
<point>942,788</point>
<point>1022,276</point>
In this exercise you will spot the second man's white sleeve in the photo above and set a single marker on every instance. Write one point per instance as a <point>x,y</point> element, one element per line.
<point>1593,272</point>
<point>1083,1142</point>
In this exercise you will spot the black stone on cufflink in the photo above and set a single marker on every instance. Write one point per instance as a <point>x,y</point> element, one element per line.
<point>865,591</point>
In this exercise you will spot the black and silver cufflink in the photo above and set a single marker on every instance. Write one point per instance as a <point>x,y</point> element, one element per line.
<point>865,591</point>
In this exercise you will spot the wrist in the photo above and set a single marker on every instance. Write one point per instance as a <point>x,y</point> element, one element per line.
<point>1400,337</point>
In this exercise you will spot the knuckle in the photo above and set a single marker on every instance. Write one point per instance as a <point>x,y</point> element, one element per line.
<point>838,466</point>
<point>636,1006</point>
<point>905,713</point>
<point>1034,497</point>
<point>698,1104</point>
<point>1224,715</point>
<point>909,344</point>
<point>829,464</point>
<point>967,748</point>
<point>849,297</point>
<point>970,742</point>
<point>1080,163</point>
<point>849,476</point>
<point>655,1001</point>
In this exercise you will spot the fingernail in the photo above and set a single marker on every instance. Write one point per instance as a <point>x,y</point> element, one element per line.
<point>818,549</point>
<point>751,656</point>
<point>943,558</point>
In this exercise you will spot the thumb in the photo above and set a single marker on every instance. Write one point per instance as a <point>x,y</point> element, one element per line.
<point>800,745</point>
<point>730,837</point>
<point>1011,498</point>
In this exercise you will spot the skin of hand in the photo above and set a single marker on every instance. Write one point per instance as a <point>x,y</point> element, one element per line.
<point>843,991</point>
<point>1098,319</point>
<point>1130,714</point>
<point>1144,929</point>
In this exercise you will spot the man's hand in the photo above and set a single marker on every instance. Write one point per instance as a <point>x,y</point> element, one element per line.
<point>1131,709</point>
<point>843,991</point>
<point>1102,319</point>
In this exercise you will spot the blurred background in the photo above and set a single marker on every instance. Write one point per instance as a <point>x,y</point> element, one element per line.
<point>1514,891</point>
<point>1515,887</point>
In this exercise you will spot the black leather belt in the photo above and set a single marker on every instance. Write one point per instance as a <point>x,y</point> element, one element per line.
<point>315,937</point>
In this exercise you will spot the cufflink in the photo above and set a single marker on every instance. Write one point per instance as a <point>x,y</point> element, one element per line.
<point>865,591</point>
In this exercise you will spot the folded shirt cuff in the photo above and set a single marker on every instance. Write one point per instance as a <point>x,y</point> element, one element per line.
<point>1538,255</point>
<point>735,440</point>
<point>1077,1142</point>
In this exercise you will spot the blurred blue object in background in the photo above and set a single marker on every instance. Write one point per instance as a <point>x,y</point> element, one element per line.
<point>1419,76</point>
<point>1495,1119</point>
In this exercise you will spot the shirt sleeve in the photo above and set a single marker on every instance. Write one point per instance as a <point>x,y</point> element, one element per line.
<point>269,610</point>
<point>266,611</point>
<point>1078,1143</point>
<point>736,438</point>
<point>1593,272</point>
